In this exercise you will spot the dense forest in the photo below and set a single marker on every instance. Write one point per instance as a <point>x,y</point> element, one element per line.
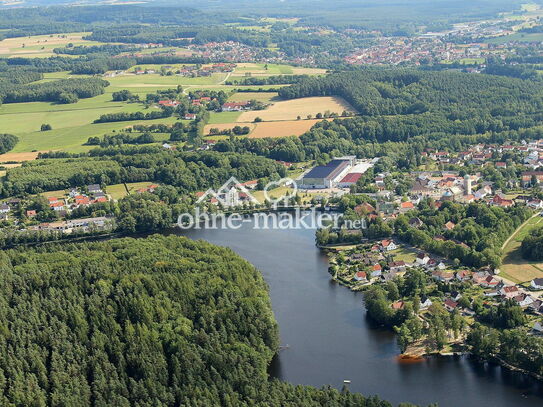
<point>157,321</point>
<point>60,91</point>
<point>189,171</point>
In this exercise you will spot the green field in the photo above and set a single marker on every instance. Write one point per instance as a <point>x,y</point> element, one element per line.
<point>514,267</point>
<point>223,117</point>
<point>149,83</point>
<point>273,69</point>
<point>72,124</point>
<point>119,191</point>
<point>521,37</point>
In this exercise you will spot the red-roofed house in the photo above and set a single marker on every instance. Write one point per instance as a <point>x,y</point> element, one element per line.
<point>388,245</point>
<point>406,206</point>
<point>360,276</point>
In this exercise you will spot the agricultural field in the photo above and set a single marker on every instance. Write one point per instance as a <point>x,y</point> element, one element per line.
<point>514,267</point>
<point>72,124</point>
<point>521,37</point>
<point>149,83</point>
<point>223,117</point>
<point>251,69</point>
<point>264,97</point>
<point>226,126</point>
<point>291,109</point>
<point>41,45</point>
<point>283,128</point>
<point>17,157</point>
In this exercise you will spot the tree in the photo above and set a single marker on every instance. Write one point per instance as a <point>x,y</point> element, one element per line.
<point>46,127</point>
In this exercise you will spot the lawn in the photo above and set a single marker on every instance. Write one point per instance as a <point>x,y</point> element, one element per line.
<point>223,117</point>
<point>119,191</point>
<point>514,267</point>
<point>404,254</point>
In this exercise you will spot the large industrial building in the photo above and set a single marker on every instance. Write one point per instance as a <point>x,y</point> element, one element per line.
<point>337,173</point>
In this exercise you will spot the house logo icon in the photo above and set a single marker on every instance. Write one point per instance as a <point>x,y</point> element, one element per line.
<point>231,194</point>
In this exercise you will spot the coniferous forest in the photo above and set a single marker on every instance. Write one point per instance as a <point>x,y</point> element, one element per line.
<point>160,321</point>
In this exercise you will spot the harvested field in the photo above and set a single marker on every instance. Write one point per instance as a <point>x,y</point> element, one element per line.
<point>18,157</point>
<point>226,126</point>
<point>265,97</point>
<point>291,109</point>
<point>282,129</point>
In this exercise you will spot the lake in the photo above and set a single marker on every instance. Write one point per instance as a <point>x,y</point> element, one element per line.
<point>328,339</point>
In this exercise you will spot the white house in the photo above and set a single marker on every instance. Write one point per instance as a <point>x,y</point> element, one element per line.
<point>537,283</point>
<point>4,208</point>
<point>422,259</point>
<point>425,302</point>
<point>388,245</point>
<point>523,300</point>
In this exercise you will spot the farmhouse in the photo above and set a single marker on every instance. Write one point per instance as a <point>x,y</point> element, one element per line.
<point>235,106</point>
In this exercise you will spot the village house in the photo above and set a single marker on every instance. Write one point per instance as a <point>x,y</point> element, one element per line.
<point>509,291</point>
<point>235,106</point>
<point>388,245</point>
<point>523,300</point>
<point>406,206</point>
<point>397,266</point>
<point>463,275</point>
<point>415,222</point>
<point>537,283</point>
<point>94,188</point>
<point>500,201</point>
<point>425,302</point>
<point>450,305</point>
<point>455,296</point>
<point>376,270</point>
<point>490,282</point>
<point>397,305</point>
<point>4,208</point>
<point>360,276</point>
<point>422,259</point>
<point>443,276</point>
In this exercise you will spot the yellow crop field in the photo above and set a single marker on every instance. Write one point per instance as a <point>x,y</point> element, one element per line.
<point>291,109</point>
